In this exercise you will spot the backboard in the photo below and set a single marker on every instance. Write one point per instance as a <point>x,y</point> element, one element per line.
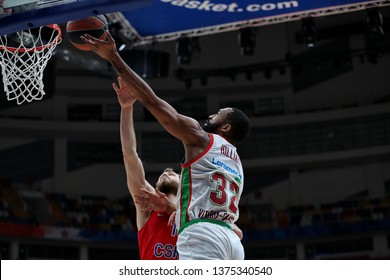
<point>24,52</point>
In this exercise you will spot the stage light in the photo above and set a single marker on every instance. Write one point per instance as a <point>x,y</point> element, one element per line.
<point>247,41</point>
<point>115,31</point>
<point>183,51</point>
<point>374,23</point>
<point>309,32</point>
<point>121,47</point>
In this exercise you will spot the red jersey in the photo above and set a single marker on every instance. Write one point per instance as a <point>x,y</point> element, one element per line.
<point>156,239</point>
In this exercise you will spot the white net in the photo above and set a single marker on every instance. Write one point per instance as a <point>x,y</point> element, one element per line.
<point>23,58</point>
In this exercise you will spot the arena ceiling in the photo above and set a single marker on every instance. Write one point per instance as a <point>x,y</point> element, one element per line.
<point>148,21</point>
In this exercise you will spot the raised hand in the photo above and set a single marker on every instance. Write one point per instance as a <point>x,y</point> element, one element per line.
<point>149,200</point>
<point>104,48</point>
<point>124,94</point>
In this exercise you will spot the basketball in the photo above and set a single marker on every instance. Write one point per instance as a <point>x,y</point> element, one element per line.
<point>94,26</point>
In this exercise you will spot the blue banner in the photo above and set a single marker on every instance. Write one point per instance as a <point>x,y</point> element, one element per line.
<point>169,16</point>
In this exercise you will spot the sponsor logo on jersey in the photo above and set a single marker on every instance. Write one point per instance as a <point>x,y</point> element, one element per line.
<point>229,169</point>
<point>168,251</point>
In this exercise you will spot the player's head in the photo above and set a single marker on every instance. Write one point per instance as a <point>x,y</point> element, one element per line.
<point>168,182</point>
<point>230,123</point>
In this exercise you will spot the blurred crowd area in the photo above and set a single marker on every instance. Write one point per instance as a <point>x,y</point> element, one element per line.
<point>36,209</point>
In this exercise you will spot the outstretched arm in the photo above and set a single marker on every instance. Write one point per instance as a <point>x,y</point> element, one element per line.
<point>169,118</point>
<point>134,169</point>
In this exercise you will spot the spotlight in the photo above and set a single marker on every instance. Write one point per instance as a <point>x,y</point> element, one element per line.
<point>115,31</point>
<point>309,32</point>
<point>247,41</point>
<point>121,47</point>
<point>183,51</point>
<point>374,23</point>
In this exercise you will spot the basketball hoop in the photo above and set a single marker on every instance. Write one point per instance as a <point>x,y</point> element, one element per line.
<point>23,58</point>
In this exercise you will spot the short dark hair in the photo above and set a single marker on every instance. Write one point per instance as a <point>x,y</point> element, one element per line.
<point>240,125</point>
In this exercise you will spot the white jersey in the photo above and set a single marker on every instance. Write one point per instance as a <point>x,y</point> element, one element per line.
<point>211,186</point>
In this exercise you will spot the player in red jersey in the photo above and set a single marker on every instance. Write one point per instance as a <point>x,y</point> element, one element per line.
<point>156,237</point>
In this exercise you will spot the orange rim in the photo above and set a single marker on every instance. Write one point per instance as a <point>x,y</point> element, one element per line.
<point>55,41</point>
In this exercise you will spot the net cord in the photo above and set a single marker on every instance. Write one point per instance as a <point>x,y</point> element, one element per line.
<point>22,67</point>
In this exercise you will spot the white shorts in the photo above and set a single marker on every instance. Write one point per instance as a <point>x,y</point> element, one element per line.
<point>208,241</point>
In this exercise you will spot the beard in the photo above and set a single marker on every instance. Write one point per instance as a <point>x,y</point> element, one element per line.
<point>167,187</point>
<point>210,127</point>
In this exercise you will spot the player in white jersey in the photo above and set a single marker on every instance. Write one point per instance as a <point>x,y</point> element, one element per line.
<point>219,170</point>
<point>212,177</point>
<point>211,187</point>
